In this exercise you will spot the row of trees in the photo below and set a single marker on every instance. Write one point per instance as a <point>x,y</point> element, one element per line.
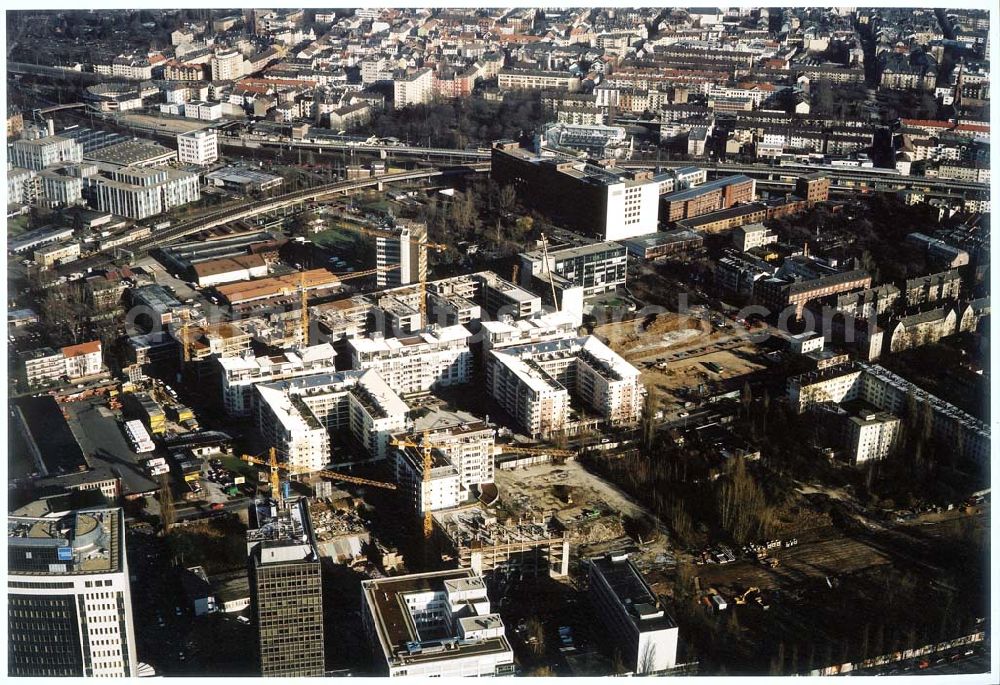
<point>462,122</point>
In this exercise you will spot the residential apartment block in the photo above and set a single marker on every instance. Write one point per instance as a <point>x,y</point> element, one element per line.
<point>240,374</point>
<point>416,364</point>
<point>533,383</point>
<point>399,258</point>
<point>297,416</point>
<point>413,89</point>
<point>889,392</point>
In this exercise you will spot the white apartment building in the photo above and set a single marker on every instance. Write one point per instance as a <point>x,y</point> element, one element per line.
<point>227,65</point>
<point>753,235</point>
<point>633,614</point>
<point>884,390</point>
<point>23,186</point>
<point>528,79</point>
<point>132,68</point>
<point>418,363</point>
<point>298,415</point>
<point>413,89</point>
<point>44,152</point>
<point>198,147</point>
<point>439,491</point>
<point>74,361</point>
<point>399,257</point>
<point>447,629</point>
<point>241,374</point>
<point>68,576</point>
<point>510,331</point>
<point>872,435</point>
<point>60,188</point>
<point>205,111</point>
<point>533,383</point>
<point>466,442</point>
<point>42,365</point>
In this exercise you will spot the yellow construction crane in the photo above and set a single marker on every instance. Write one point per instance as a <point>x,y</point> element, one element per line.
<point>305,308</point>
<point>552,284</point>
<point>304,302</point>
<point>425,447</point>
<point>185,340</point>
<point>275,477</point>
<point>424,245</point>
<point>508,449</point>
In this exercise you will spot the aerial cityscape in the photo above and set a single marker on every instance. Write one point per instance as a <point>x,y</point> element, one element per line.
<point>498,342</point>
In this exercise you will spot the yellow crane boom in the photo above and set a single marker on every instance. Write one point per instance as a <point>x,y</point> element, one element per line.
<point>275,478</point>
<point>426,447</point>
<point>506,449</point>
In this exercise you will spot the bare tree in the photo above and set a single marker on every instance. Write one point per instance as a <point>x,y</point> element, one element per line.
<point>507,199</point>
<point>168,516</point>
<point>536,636</point>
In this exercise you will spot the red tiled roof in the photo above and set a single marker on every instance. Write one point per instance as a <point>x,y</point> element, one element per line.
<point>82,349</point>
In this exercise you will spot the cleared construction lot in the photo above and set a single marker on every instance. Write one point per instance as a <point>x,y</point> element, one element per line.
<point>594,512</point>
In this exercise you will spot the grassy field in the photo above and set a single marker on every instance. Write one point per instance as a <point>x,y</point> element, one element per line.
<point>17,226</point>
<point>241,467</point>
<point>336,238</point>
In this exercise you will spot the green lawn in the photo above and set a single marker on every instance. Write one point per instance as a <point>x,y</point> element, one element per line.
<point>336,238</point>
<point>17,226</point>
<point>241,467</point>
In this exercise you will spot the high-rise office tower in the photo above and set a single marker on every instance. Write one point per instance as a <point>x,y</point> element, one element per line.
<point>69,608</point>
<point>399,257</point>
<point>286,591</point>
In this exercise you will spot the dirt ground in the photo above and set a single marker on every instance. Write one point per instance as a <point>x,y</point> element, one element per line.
<point>815,559</point>
<point>692,372</point>
<point>536,484</point>
<point>533,489</point>
<point>669,329</point>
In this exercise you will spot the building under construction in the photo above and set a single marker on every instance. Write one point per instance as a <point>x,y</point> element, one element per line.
<point>482,543</point>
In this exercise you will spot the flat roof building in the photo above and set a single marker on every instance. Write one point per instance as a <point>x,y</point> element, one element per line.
<point>438,624</point>
<point>286,589</point>
<point>298,415</point>
<point>598,268</point>
<point>415,364</point>
<point>595,200</point>
<point>633,614</point>
<point>69,601</point>
<point>533,383</point>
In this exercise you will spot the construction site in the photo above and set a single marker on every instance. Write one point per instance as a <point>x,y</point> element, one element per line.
<point>683,356</point>
<point>480,541</point>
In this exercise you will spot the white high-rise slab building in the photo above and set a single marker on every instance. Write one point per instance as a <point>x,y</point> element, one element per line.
<point>69,603</point>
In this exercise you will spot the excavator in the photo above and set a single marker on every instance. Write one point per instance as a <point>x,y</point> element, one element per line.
<point>757,597</point>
